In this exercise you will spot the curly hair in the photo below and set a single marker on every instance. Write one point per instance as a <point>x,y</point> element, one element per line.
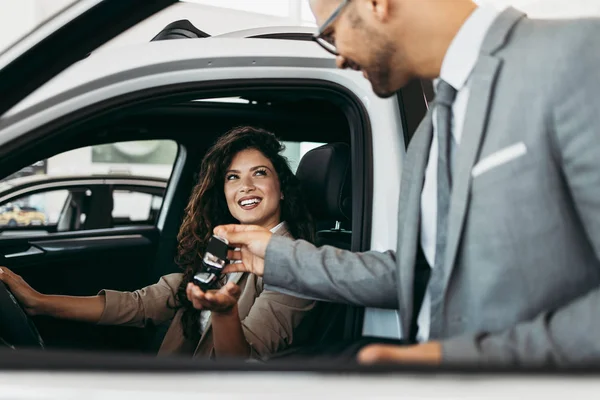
<point>207,207</point>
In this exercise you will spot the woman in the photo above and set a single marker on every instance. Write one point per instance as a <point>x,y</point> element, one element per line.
<point>243,179</point>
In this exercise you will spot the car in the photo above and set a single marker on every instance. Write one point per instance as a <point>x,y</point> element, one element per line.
<point>13,215</point>
<point>187,91</point>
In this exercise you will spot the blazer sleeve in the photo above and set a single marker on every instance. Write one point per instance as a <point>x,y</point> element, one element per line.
<point>330,274</point>
<point>567,335</point>
<point>275,322</point>
<point>151,305</point>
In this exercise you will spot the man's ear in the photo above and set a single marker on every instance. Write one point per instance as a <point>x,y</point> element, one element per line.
<point>380,9</point>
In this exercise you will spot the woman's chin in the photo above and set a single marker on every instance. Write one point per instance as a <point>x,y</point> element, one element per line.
<point>249,221</point>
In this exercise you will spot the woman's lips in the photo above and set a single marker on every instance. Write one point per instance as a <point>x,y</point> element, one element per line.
<point>250,207</point>
<point>249,203</point>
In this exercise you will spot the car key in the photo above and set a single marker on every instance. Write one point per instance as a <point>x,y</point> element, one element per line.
<point>213,262</point>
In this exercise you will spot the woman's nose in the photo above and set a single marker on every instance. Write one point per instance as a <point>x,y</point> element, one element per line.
<point>247,185</point>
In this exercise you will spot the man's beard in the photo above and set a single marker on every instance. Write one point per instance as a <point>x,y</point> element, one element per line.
<point>381,73</point>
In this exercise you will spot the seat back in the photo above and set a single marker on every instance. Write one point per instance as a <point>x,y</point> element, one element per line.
<point>325,175</point>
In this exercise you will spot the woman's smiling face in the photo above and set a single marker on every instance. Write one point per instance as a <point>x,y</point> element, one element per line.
<point>252,189</point>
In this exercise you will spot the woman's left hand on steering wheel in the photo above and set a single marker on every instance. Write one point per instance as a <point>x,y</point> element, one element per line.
<point>27,296</point>
<point>220,301</point>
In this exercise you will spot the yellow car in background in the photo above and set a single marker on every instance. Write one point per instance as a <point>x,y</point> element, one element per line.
<point>13,215</point>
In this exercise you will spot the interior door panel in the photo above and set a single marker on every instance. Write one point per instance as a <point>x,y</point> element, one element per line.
<point>81,264</point>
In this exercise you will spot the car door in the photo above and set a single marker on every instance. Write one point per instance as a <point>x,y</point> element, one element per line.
<point>65,262</point>
<point>97,233</point>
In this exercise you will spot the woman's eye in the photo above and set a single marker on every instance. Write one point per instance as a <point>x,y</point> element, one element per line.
<point>261,172</point>
<point>230,177</point>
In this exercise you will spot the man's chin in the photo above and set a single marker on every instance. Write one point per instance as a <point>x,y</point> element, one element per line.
<point>384,94</point>
<point>380,91</point>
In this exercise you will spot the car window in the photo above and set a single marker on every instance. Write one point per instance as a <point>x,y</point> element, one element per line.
<point>35,210</point>
<point>131,207</point>
<point>93,187</point>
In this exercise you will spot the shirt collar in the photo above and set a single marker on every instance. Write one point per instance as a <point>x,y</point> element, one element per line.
<point>462,55</point>
<point>277,227</point>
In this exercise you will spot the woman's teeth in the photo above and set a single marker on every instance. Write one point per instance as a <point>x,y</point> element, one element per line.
<point>249,202</point>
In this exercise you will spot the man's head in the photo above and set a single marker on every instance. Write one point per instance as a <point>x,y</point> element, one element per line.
<point>391,41</point>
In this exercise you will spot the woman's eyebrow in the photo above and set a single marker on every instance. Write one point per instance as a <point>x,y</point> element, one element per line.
<point>259,167</point>
<point>235,171</point>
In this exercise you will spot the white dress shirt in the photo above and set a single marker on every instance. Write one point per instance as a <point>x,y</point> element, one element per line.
<point>459,61</point>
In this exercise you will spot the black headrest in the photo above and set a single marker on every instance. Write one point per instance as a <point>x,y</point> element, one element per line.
<point>326,180</point>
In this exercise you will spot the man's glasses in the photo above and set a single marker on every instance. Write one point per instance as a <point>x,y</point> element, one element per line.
<point>326,40</point>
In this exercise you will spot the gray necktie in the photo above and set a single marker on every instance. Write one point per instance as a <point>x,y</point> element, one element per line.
<point>444,99</point>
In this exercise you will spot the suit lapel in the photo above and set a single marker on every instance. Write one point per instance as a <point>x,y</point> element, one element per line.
<point>413,175</point>
<point>482,82</point>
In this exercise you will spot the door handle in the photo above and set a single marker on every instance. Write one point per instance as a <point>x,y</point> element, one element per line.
<point>32,251</point>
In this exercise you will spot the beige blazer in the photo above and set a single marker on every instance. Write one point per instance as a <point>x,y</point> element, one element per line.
<point>271,321</point>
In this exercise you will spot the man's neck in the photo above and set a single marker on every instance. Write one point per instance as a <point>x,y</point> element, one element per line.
<point>447,22</point>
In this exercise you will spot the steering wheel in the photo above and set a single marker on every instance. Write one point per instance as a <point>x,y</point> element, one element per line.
<point>17,330</point>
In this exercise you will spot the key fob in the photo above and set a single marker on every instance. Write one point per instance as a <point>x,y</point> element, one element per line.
<point>213,262</point>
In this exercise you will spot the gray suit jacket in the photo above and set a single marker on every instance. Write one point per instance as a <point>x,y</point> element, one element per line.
<point>522,267</point>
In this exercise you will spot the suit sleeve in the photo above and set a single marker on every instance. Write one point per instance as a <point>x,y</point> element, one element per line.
<point>330,274</point>
<point>151,305</point>
<point>567,335</point>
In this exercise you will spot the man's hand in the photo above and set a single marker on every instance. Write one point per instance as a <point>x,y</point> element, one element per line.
<point>252,241</point>
<point>218,301</point>
<point>427,353</point>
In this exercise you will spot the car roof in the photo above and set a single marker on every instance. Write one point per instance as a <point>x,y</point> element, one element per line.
<point>111,61</point>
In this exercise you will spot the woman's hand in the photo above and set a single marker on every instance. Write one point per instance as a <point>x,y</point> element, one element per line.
<point>27,296</point>
<point>222,301</point>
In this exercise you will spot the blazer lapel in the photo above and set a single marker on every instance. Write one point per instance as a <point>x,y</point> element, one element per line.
<point>205,344</point>
<point>482,83</point>
<point>413,175</point>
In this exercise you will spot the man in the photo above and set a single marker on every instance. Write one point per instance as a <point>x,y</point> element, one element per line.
<point>500,194</point>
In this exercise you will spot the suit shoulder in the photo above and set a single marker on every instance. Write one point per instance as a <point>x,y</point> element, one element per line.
<point>556,37</point>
